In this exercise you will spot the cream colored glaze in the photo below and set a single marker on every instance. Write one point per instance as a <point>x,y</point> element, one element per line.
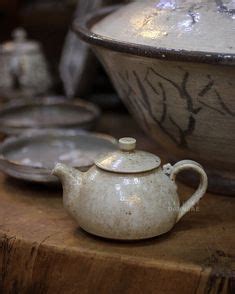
<point>173,24</point>
<point>129,161</point>
<point>127,206</point>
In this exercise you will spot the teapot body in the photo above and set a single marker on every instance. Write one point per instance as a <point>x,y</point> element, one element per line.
<point>126,195</point>
<point>125,206</point>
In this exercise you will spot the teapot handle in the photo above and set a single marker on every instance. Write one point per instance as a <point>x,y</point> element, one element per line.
<point>201,190</point>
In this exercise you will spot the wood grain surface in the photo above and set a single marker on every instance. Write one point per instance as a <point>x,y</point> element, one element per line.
<point>44,251</point>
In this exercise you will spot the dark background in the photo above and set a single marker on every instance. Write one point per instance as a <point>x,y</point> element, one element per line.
<point>46,21</point>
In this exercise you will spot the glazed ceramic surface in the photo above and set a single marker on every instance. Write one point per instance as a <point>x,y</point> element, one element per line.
<point>23,69</point>
<point>187,108</point>
<point>127,195</point>
<point>55,112</point>
<point>33,155</point>
<point>184,99</point>
<point>173,24</point>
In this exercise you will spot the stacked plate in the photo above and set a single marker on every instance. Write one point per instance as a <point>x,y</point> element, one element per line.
<point>47,113</point>
<point>48,131</point>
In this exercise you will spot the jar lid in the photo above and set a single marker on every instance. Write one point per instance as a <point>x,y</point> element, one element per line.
<point>20,43</point>
<point>128,159</point>
<point>203,25</point>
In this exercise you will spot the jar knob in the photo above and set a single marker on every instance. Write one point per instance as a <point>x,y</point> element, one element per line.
<point>127,144</point>
<point>19,35</point>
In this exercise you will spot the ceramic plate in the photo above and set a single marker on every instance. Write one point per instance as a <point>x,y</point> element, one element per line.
<point>32,156</point>
<point>50,112</point>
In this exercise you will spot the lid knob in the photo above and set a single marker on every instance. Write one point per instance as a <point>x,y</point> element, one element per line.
<point>19,35</point>
<point>127,144</point>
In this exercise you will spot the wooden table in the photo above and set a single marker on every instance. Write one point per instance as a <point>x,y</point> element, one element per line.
<point>44,251</point>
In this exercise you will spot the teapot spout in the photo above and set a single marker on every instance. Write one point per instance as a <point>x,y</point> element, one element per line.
<point>66,174</point>
<point>71,180</point>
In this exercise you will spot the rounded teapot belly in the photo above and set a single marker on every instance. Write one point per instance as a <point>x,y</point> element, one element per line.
<point>127,207</point>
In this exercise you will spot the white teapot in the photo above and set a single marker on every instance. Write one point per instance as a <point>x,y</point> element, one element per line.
<point>126,195</point>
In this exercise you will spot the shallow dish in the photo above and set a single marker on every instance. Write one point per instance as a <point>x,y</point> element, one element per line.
<point>182,98</point>
<point>47,113</point>
<point>32,156</point>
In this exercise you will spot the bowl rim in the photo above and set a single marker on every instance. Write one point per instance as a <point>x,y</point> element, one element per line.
<point>82,27</point>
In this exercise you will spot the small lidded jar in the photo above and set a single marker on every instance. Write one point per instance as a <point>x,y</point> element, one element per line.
<point>23,68</point>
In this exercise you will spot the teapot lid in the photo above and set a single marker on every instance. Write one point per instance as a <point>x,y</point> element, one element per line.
<point>202,25</point>
<point>128,159</point>
<point>20,43</point>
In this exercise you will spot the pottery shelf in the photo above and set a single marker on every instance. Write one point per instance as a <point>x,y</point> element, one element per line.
<point>44,251</point>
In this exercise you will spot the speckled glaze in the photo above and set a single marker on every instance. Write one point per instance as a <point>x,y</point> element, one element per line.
<point>183,97</point>
<point>124,204</point>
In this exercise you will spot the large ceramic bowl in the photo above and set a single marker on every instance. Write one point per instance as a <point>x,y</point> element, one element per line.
<point>173,64</point>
